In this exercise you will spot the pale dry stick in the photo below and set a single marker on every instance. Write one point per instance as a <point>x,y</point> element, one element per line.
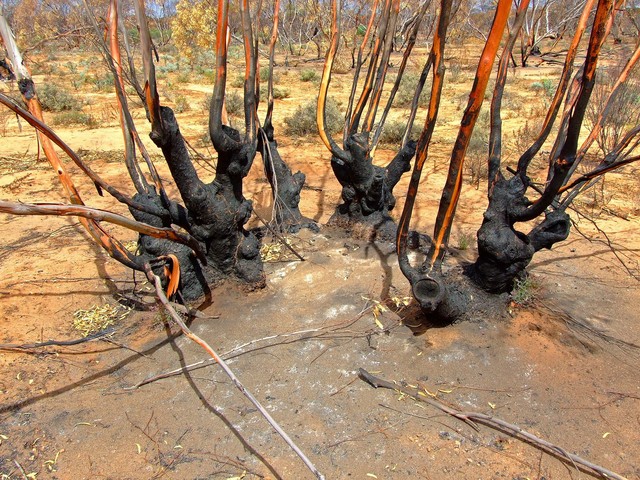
<point>497,424</point>
<point>208,361</point>
<point>196,339</point>
<point>239,348</point>
<point>24,474</point>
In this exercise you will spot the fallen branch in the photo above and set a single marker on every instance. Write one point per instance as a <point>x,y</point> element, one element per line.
<point>155,280</point>
<point>308,334</point>
<point>497,424</point>
<point>57,343</point>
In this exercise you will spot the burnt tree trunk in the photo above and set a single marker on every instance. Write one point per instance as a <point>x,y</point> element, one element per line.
<point>215,215</point>
<point>503,251</point>
<point>367,189</point>
<point>286,186</point>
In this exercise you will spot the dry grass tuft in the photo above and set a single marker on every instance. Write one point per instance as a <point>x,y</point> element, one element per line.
<point>98,318</point>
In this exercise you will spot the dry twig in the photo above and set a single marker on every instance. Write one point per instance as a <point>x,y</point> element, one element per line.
<point>497,424</point>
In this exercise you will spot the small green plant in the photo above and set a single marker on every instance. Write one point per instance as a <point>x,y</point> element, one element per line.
<point>303,120</point>
<point>181,104</point>
<point>55,99</point>
<point>525,291</point>
<point>465,240</point>
<point>308,75</point>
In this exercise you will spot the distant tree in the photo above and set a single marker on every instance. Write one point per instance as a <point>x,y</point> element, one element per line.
<point>193,28</point>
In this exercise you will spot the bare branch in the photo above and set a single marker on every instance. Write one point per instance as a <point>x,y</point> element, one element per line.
<point>220,139</point>
<point>272,54</point>
<point>411,41</point>
<point>359,63</point>
<point>495,137</point>
<point>453,185</point>
<point>98,215</point>
<point>436,58</point>
<point>563,163</point>
<point>554,108</point>
<point>321,117</point>
<point>97,180</point>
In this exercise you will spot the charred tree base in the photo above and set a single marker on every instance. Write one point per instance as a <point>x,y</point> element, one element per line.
<point>196,279</point>
<point>367,190</point>
<point>214,214</point>
<point>449,298</point>
<point>504,252</point>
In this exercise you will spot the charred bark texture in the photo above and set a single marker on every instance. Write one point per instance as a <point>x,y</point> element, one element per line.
<point>503,251</point>
<point>367,189</point>
<point>215,215</point>
<point>285,184</point>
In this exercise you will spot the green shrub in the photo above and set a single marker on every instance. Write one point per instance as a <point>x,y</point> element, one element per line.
<point>545,86</point>
<point>308,75</point>
<point>74,118</point>
<point>238,81</point>
<point>393,132</point>
<point>167,68</point>
<point>55,99</point>
<point>183,77</point>
<point>206,103</point>
<point>303,120</point>
<point>264,75</point>
<point>104,83</point>
<point>279,93</point>
<point>406,91</point>
<point>478,150</point>
<point>234,103</point>
<point>181,104</point>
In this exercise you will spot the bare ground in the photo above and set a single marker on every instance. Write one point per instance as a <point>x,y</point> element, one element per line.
<point>565,368</point>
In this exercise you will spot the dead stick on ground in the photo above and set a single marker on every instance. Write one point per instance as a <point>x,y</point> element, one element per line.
<point>57,343</point>
<point>303,334</point>
<point>496,424</point>
<point>153,278</point>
